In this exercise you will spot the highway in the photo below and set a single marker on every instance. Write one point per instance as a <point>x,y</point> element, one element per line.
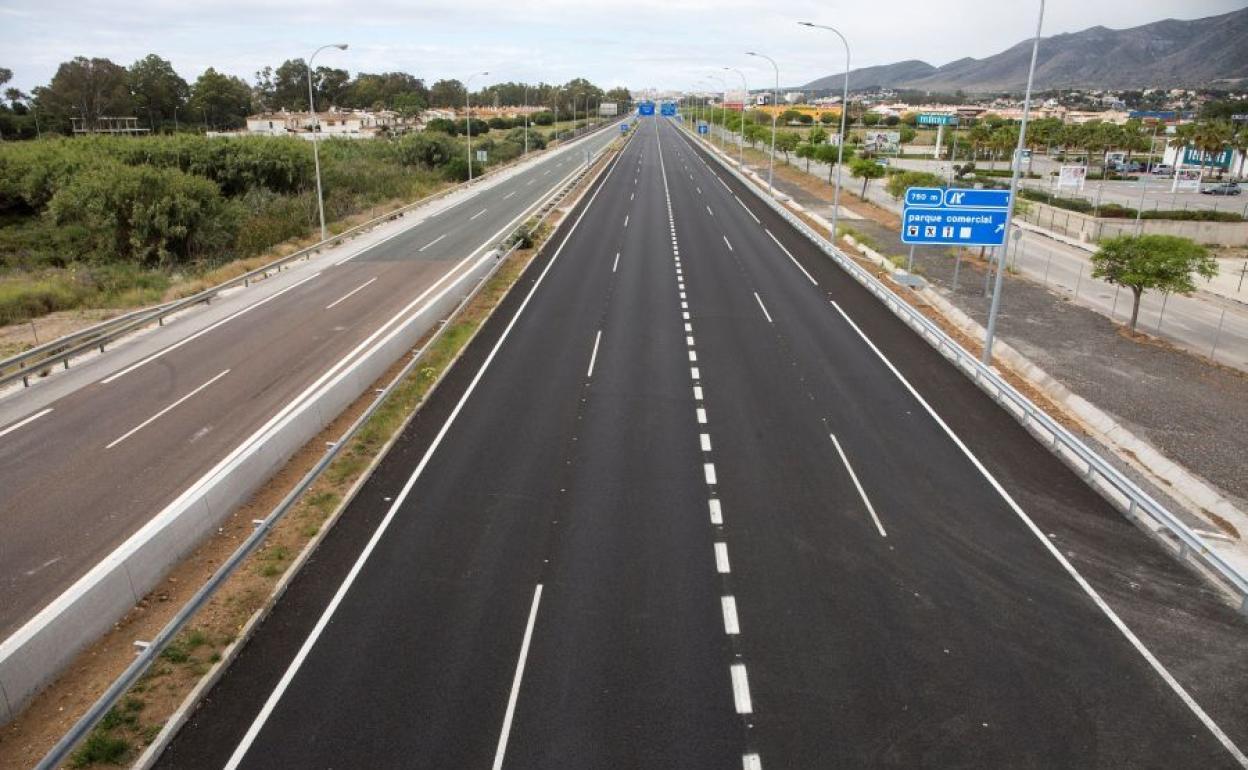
<point>694,499</point>
<point>90,455</point>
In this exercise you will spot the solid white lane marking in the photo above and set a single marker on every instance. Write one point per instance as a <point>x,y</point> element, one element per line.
<point>203,331</point>
<point>430,243</point>
<point>708,469</point>
<point>809,277</point>
<point>701,416</point>
<point>717,513</point>
<point>594,355</point>
<point>616,264</point>
<point>747,209</point>
<point>861,492</point>
<point>732,624</point>
<point>26,421</point>
<point>508,195</point>
<point>764,307</point>
<point>705,440</point>
<point>163,412</point>
<point>741,689</point>
<point>721,558</point>
<point>348,295</point>
<point>751,762</point>
<point>515,682</point>
<point>1135,642</point>
<point>288,676</point>
<point>479,213</point>
<point>729,245</point>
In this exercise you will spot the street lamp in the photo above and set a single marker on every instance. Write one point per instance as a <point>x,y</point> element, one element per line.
<point>1017,167</point>
<point>775,107</point>
<point>745,93</point>
<point>468,116</point>
<point>316,133</point>
<point>840,148</point>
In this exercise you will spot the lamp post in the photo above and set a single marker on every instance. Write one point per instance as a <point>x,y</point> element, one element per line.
<point>840,148</point>
<point>775,105</point>
<point>745,92</point>
<point>468,116</point>
<point>1009,214</point>
<point>526,118</point>
<point>316,134</point>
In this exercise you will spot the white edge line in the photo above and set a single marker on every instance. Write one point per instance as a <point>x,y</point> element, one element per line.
<point>809,277</point>
<point>144,361</point>
<point>349,294</point>
<point>747,209</point>
<point>164,411</point>
<point>26,421</point>
<point>271,703</point>
<point>1148,656</point>
<point>515,682</point>
<point>861,492</point>
<point>764,307</point>
<point>594,355</point>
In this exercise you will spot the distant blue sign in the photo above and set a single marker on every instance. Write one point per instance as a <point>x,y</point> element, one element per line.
<point>668,109</point>
<point>703,128</point>
<point>623,128</point>
<point>955,217</point>
<point>645,108</point>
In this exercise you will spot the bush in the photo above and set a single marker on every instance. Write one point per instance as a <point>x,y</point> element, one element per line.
<point>542,119</point>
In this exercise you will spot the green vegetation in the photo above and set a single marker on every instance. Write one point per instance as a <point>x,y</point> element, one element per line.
<point>1117,211</point>
<point>1164,262</point>
<point>899,181</point>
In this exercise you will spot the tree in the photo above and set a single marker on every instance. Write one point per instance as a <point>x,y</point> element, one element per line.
<point>447,93</point>
<point>156,89</point>
<point>1140,263</point>
<point>790,116</point>
<point>871,119</point>
<point>866,170</point>
<point>85,88</point>
<point>807,151</point>
<point>828,118</point>
<point>827,153</point>
<point>786,142</point>
<point>220,100</point>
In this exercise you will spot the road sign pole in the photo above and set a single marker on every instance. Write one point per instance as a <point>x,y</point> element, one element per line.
<point>1022,138</point>
<point>910,263</point>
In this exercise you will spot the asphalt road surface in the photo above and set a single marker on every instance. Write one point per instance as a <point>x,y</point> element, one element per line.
<point>82,472</point>
<point>694,499</point>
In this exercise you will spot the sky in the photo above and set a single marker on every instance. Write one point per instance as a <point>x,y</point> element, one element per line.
<point>665,44</point>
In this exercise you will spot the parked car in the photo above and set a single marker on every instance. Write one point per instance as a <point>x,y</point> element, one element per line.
<point>1163,169</point>
<point>1226,188</point>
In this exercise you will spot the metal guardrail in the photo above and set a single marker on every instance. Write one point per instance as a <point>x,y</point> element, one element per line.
<point>149,654</point>
<point>1189,545</point>
<point>62,350</point>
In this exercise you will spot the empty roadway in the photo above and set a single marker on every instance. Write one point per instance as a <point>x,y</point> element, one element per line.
<point>679,506</point>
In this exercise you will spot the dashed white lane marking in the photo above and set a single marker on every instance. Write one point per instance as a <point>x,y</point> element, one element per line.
<point>693,355</point>
<point>717,512</point>
<point>631,196</point>
<point>430,243</point>
<point>684,314</point>
<point>616,263</point>
<point>764,307</point>
<point>594,355</point>
<point>688,327</point>
<point>809,277</point>
<point>732,625</point>
<point>708,210</point>
<point>479,213</point>
<point>727,243</point>
<point>626,220</point>
<point>163,412</point>
<point>547,171</point>
<point>515,682</point>
<point>697,392</point>
<point>747,210</point>
<point>708,469</point>
<point>699,191</point>
<point>741,689</point>
<point>689,341</point>
<point>684,306</point>
<point>751,762</point>
<point>858,486</point>
<point>705,440</point>
<point>694,373</point>
<point>721,558</point>
<point>508,195</point>
<point>701,416</point>
<point>26,421</point>
<point>531,181</point>
<point>349,294</point>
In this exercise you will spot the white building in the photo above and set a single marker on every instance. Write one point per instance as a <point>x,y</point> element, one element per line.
<point>354,124</point>
<point>794,97</point>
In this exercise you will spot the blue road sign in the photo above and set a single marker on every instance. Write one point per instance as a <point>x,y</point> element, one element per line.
<point>955,217</point>
<point>668,109</point>
<point>623,128</point>
<point>931,119</point>
<point>703,128</point>
<point>645,108</point>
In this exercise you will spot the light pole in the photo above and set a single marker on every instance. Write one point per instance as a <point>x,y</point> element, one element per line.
<point>745,92</point>
<point>723,109</point>
<point>840,147</point>
<point>775,106</point>
<point>1009,213</point>
<point>468,116</point>
<point>316,134</point>
<point>526,118</point>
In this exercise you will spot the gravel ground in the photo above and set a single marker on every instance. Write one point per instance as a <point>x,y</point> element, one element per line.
<point>1194,412</point>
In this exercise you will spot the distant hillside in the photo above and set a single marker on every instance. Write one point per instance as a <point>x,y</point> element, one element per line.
<point>1171,54</point>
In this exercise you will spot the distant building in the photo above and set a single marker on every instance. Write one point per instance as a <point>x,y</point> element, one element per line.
<point>794,97</point>
<point>108,125</point>
<point>354,124</point>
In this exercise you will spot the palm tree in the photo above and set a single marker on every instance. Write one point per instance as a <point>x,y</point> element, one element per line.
<point>1239,143</point>
<point>1211,139</point>
<point>979,135</point>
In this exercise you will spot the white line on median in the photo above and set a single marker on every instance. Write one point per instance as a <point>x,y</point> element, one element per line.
<point>348,295</point>
<point>790,256</point>
<point>27,421</point>
<point>430,243</point>
<point>515,682</point>
<point>163,412</point>
<point>479,213</point>
<point>858,486</point>
<point>594,355</point>
<point>764,307</point>
<point>741,689</point>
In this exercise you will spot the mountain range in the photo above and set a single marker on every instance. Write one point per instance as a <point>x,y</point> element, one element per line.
<point>1209,52</point>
